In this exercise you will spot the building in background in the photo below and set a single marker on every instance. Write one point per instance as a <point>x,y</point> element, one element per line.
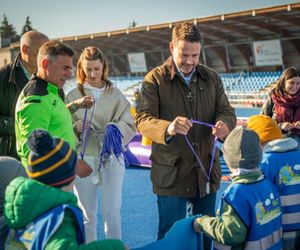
<point>232,42</point>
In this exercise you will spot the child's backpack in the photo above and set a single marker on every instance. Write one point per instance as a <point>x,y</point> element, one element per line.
<point>36,234</point>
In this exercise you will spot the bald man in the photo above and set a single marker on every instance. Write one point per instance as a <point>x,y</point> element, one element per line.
<point>13,78</point>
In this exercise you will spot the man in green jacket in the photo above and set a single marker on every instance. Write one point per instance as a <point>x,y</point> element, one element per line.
<point>13,77</point>
<point>171,95</point>
<point>46,200</point>
<point>41,106</point>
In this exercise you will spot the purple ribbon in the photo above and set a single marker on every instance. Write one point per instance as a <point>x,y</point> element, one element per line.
<point>203,123</point>
<point>84,134</point>
<point>213,152</point>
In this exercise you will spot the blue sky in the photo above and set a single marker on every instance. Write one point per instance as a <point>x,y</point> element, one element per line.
<point>59,18</point>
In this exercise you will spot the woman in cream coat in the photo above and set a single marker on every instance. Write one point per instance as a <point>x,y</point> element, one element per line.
<point>111,107</point>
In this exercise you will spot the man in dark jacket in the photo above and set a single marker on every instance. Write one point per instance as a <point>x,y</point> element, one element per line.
<point>13,78</point>
<point>171,95</point>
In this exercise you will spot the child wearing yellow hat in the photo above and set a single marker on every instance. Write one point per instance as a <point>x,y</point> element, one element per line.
<point>281,165</point>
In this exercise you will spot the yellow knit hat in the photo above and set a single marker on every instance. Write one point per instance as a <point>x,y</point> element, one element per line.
<point>266,128</point>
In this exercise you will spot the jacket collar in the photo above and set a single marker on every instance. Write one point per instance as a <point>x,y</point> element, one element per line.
<point>247,175</point>
<point>52,88</point>
<point>38,79</point>
<point>170,70</point>
<point>15,65</point>
<point>280,145</point>
<point>49,86</point>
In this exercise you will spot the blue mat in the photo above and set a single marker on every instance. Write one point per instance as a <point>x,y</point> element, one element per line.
<point>139,209</point>
<point>181,236</point>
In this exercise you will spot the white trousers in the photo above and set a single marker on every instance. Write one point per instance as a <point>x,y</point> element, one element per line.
<point>110,184</point>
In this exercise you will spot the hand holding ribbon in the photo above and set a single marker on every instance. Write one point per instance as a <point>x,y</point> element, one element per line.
<point>220,130</point>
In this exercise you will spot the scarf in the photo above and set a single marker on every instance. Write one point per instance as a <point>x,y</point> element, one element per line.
<point>287,108</point>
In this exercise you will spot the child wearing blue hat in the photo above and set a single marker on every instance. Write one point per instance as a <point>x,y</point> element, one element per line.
<point>42,211</point>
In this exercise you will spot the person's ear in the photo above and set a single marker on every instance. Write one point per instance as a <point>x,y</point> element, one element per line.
<point>45,63</point>
<point>24,49</point>
<point>171,46</point>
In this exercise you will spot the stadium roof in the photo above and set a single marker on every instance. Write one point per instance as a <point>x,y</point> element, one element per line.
<point>239,27</point>
<point>226,37</point>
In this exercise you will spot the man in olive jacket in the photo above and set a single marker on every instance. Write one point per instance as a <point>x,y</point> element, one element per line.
<point>171,95</point>
<point>13,77</point>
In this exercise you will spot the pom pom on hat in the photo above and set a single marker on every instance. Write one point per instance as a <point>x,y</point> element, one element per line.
<point>40,142</point>
<point>266,128</point>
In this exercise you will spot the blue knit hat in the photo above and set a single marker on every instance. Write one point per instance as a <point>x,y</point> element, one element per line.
<point>51,161</point>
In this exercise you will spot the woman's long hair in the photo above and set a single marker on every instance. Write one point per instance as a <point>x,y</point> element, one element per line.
<point>91,54</point>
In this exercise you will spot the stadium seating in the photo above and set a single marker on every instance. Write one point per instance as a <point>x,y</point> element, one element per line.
<point>248,81</point>
<point>241,82</point>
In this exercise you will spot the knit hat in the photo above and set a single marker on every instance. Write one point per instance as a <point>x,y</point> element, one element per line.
<point>51,161</point>
<point>241,149</point>
<point>266,128</point>
<point>10,168</point>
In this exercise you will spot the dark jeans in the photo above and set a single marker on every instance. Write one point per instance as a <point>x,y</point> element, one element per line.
<point>173,208</point>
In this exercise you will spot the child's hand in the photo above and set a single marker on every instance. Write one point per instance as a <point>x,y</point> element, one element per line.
<point>196,226</point>
<point>296,125</point>
<point>286,126</point>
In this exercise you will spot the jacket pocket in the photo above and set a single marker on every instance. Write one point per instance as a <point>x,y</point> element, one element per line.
<point>164,169</point>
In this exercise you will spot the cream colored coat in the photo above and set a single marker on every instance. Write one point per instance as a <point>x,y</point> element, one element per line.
<point>111,107</point>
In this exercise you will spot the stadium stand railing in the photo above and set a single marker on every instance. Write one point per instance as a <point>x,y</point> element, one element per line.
<point>248,88</point>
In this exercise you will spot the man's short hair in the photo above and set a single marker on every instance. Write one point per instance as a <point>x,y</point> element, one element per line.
<point>54,48</point>
<point>186,32</point>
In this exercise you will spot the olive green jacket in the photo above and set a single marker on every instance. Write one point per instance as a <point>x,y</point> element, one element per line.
<point>164,96</point>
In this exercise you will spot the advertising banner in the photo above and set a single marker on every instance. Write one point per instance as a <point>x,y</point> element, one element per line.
<point>267,52</point>
<point>137,62</point>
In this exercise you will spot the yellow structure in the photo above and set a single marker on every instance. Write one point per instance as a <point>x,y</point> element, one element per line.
<point>132,111</point>
<point>146,141</point>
